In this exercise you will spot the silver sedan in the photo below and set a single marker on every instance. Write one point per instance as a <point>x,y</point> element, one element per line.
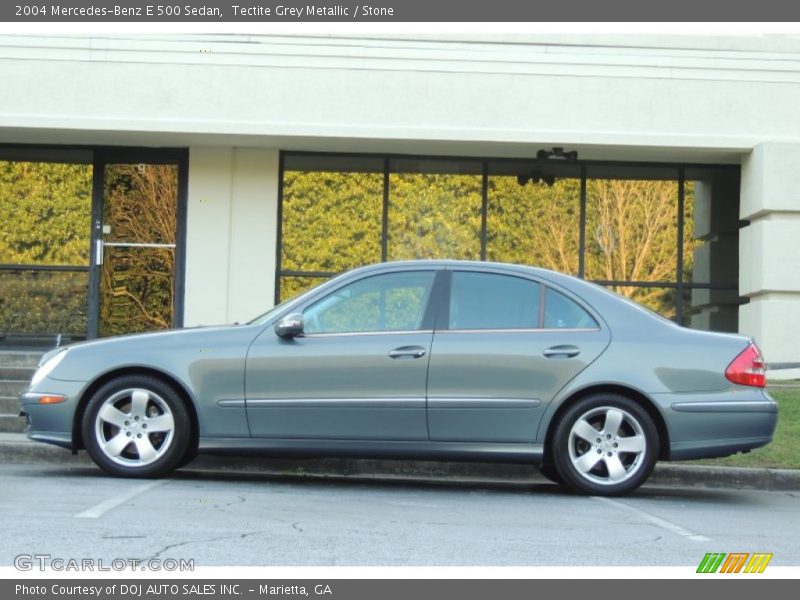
<point>422,360</point>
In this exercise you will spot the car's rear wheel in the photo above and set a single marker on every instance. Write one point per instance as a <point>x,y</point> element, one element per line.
<point>605,444</point>
<point>136,426</point>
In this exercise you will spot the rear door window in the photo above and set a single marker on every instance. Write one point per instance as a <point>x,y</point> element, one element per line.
<point>492,301</point>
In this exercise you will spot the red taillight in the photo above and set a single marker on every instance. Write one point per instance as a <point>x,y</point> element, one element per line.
<point>748,368</point>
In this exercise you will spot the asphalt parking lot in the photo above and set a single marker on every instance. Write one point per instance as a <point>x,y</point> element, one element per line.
<point>232,519</point>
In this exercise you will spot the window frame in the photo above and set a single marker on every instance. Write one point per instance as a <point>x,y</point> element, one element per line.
<point>443,313</point>
<point>428,308</point>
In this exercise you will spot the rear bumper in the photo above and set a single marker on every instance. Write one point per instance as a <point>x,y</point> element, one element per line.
<point>715,448</point>
<point>711,426</point>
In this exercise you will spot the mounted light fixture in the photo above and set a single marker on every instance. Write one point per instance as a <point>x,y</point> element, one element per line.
<point>536,177</point>
<point>549,157</point>
<point>557,155</point>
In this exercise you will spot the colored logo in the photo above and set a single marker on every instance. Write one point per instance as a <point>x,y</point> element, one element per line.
<point>735,562</point>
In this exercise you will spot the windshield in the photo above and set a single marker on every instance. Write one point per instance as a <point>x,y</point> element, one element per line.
<point>270,313</point>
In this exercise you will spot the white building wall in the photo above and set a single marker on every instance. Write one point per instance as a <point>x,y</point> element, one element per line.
<point>231,234</point>
<point>662,97</point>
<point>769,260</point>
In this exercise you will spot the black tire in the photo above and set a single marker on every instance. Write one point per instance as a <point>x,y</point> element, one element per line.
<point>549,471</point>
<point>599,466</point>
<point>188,457</point>
<point>130,404</point>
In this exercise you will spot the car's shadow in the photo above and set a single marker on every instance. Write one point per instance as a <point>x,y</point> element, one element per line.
<point>531,487</point>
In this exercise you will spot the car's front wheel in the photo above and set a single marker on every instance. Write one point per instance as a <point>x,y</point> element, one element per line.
<point>136,426</point>
<point>605,444</point>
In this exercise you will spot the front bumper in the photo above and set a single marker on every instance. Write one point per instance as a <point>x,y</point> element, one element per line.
<point>51,423</point>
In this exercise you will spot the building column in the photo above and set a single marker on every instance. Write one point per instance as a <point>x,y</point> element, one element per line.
<point>769,252</point>
<point>231,234</point>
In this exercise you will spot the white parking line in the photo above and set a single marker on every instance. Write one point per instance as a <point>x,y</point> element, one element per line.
<point>658,521</point>
<point>100,509</point>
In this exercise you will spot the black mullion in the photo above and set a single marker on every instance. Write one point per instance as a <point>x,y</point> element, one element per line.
<point>28,267</point>
<point>179,300</point>
<point>98,182</point>
<point>301,273</point>
<point>681,199</point>
<point>484,205</point>
<point>582,233</point>
<point>664,284</point>
<point>645,284</point>
<point>279,236</point>
<point>499,159</point>
<point>385,214</point>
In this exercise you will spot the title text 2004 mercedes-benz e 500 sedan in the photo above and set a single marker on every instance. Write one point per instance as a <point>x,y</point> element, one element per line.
<point>423,359</point>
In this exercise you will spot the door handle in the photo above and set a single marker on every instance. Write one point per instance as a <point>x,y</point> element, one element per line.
<point>565,351</point>
<point>407,352</point>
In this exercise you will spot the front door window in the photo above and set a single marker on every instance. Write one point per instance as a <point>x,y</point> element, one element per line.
<point>392,302</point>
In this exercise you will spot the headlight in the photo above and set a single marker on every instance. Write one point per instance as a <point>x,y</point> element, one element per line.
<point>47,367</point>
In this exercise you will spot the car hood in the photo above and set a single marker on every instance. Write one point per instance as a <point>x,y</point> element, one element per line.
<point>171,351</point>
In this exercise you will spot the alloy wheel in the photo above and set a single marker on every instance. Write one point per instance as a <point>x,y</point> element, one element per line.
<point>134,427</point>
<point>607,445</point>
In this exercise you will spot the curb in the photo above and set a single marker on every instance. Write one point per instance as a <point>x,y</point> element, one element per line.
<point>674,474</point>
<point>14,449</point>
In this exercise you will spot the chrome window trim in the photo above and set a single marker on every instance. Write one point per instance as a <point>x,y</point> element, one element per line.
<point>519,330</point>
<point>449,403</point>
<point>354,333</point>
<point>231,403</point>
<point>378,402</point>
<point>725,406</point>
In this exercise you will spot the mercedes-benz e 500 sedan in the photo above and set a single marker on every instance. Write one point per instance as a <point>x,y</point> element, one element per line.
<point>422,359</point>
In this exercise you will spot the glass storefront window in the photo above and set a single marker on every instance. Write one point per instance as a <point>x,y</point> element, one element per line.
<point>614,223</point>
<point>332,213</point>
<point>292,286</point>
<point>332,220</point>
<point>43,303</point>
<point>631,227</point>
<point>50,205</point>
<point>434,210</point>
<point>533,216</point>
<point>45,209</point>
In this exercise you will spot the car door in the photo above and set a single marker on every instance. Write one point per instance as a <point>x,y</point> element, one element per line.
<point>503,347</point>
<point>358,371</point>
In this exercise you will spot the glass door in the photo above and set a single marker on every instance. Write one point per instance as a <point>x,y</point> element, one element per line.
<point>135,247</point>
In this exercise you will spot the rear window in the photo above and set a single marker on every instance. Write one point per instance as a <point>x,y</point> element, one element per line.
<point>562,313</point>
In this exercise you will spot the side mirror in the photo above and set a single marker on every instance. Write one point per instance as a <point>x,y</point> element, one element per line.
<point>290,326</point>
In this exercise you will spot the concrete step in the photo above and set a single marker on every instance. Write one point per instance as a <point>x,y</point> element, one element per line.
<point>13,358</point>
<point>16,373</point>
<point>8,405</point>
<point>12,387</point>
<point>11,423</point>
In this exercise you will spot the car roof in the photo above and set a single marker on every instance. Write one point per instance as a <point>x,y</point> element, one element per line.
<point>553,276</point>
<point>481,265</point>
